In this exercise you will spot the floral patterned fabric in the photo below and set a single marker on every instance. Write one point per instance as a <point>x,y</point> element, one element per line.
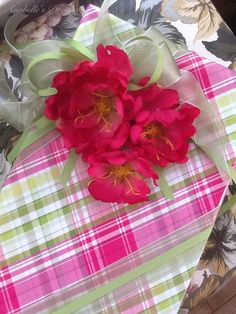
<point>201,13</point>
<point>217,266</point>
<point>194,23</point>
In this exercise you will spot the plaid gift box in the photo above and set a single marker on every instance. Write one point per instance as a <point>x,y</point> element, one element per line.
<point>59,245</point>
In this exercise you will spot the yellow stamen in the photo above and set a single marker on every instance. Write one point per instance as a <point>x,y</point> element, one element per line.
<point>131,188</point>
<point>121,173</point>
<point>168,142</point>
<point>104,105</point>
<point>82,116</point>
<point>151,131</point>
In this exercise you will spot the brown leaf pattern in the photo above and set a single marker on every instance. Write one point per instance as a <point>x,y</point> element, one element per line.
<point>209,285</point>
<point>216,263</point>
<point>218,258</point>
<point>209,21</point>
<point>201,12</point>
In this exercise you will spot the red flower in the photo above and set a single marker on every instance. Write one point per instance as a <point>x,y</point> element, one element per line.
<point>57,105</point>
<point>92,99</point>
<point>119,133</point>
<point>164,126</point>
<point>119,177</point>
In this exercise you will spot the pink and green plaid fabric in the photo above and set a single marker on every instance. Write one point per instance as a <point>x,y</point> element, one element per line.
<point>58,243</point>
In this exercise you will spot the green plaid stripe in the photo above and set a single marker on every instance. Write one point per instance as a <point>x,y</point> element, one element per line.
<point>44,219</point>
<point>149,293</point>
<point>153,293</point>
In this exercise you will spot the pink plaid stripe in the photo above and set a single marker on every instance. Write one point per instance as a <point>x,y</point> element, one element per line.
<point>213,78</point>
<point>91,13</point>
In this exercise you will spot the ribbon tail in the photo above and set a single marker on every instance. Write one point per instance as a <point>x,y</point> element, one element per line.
<point>232,172</point>
<point>18,147</point>
<point>10,28</point>
<point>109,37</point>
<point>159,38</point>
<point>69,166</point>
<point>31,136</point>
<point>217,155</point>
<point>164,186</point>
<point>210,135</point>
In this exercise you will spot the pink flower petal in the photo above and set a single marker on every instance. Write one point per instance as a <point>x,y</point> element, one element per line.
<point>121,135</point>
<point>143,167</point>
<point>98,170</point>
<point>105,190</point>
<point>166,99</point>
<point>136,190</point>
<point>166,116</point>
<point>135,133</point>
<point>115,59</point>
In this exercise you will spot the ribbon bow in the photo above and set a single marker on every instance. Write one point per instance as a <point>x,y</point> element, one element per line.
<point>151,48</point>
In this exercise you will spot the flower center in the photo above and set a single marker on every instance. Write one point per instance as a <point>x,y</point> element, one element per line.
<point>121,172</point>
<point>151,131</point>
<point>103,104</point>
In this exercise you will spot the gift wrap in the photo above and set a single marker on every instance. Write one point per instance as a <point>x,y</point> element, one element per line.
<point>64,252</point>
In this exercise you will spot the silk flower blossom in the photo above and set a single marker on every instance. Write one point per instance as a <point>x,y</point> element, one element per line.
<point>91,100</point>
<point>121,134</point>
<point>163,126</point>
<point>119,176</point>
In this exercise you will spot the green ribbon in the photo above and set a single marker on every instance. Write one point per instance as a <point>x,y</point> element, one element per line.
<point>18,147</point>
<point>158,67</point>
<point>6,48</point>
<point>31,85</point>
<point>42,123</point>
<point>69,166</point>
<point>164,186</point>
<point>135,273</point>
<point>232,172</point>
<point>103,22</point>
<point>43,57</point>
<point>29,136</point>
<point>9,30</point>
<point>83,51</point>
<point>227,205</point>
<point>47,92</point>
